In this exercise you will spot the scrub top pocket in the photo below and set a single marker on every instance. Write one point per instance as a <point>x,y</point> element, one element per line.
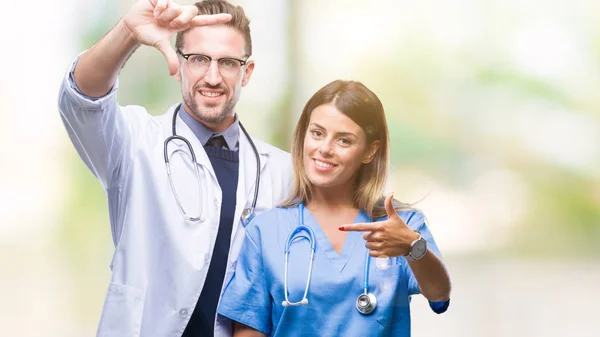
<point>390,286</point>
<point>386,267</point>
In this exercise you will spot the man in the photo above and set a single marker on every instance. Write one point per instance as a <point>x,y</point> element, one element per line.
<point>175,207</point>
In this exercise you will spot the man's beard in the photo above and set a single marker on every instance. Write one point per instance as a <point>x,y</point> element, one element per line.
<point>210,115</point>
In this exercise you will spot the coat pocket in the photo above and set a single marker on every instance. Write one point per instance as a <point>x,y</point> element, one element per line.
<point>122,312</point>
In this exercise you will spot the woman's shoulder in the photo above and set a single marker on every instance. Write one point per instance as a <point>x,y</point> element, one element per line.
<point>409,213</point>
<point>406,212</point>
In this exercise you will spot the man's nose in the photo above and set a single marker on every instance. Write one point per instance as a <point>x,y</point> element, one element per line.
<point>213,75</point>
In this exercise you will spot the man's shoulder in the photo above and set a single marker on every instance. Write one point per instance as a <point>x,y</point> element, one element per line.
<point>272,150</point>
<point>166,116</point>
<point>267,147</point>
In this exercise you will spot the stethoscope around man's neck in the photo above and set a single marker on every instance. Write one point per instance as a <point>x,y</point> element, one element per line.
<point>247,213</point>
<point>365,303</point>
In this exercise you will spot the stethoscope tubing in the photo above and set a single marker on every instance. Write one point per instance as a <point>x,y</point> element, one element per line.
<point>248,213</point>
<point>296,234</point>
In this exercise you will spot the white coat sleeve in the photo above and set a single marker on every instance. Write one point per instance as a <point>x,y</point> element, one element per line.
<point>103,133</point>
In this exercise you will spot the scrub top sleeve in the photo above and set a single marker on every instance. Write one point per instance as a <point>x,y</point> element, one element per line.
<point>246,298</point>
<point>417,221</point>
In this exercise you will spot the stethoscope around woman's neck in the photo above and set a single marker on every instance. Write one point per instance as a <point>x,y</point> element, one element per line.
<point>365,303</point>
<point>247,213</point>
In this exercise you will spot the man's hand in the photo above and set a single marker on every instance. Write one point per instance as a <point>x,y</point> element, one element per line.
<point>153,23</point>
<point>389,238</point>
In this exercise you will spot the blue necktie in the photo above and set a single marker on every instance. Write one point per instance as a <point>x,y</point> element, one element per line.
<point>218,142</point>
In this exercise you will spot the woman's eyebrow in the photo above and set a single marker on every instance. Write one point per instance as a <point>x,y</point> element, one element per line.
<point>346,134</point>
<point>317,125</point>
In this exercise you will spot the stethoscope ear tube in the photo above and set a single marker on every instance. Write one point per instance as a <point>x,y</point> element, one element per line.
<point>287,304</point>
<point>313,245</point>
<point>250,213</point>
<point>185,215</point>
<point>247,214</point>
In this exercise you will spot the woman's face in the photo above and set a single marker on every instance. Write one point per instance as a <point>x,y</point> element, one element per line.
<point>335,147</point>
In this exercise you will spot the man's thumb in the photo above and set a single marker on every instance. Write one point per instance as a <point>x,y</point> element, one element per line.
<point>170,55</point>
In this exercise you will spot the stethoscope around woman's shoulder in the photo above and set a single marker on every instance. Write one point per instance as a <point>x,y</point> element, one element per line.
<point>365,303</point>
<point>247,213</point>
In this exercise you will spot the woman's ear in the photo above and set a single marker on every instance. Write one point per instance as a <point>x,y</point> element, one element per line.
<point>371,152</point>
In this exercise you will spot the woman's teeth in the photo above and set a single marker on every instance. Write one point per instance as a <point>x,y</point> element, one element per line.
<point>322,164</point>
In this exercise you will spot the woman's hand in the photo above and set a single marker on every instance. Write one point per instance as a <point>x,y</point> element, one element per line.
<point>389,238</point>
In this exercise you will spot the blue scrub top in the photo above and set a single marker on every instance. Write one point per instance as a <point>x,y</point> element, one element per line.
<point>254,295</point>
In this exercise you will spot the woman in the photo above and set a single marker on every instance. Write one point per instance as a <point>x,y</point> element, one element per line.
<point>341,157</point>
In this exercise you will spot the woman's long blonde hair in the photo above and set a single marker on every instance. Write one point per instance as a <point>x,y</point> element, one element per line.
<point>359,103</point>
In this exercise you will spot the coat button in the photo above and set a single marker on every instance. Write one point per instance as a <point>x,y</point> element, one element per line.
<point>183,312</point>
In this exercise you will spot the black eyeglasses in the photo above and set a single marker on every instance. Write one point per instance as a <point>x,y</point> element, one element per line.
<point>199,64</point>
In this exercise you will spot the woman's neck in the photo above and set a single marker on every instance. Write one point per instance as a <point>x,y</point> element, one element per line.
<point>330,199</point>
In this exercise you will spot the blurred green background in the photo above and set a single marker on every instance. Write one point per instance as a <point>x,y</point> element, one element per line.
<point>494,116</point>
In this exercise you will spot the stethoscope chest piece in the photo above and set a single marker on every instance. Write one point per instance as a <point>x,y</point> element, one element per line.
<point>247,215</point>
<point>366,303</point>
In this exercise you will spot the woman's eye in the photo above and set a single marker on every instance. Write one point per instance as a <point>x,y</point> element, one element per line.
<point>345,141</point>
<point>316,133</point>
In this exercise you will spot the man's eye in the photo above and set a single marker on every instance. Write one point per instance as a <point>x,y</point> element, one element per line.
<point>198,59</point>
<point>229,63</point>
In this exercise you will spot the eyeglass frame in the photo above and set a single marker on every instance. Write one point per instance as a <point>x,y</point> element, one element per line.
<point>210,59</point>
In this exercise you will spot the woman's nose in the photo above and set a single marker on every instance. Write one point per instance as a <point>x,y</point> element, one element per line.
<point>325,148</point>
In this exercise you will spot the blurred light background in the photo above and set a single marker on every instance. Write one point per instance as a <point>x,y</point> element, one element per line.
<point>494,113</point>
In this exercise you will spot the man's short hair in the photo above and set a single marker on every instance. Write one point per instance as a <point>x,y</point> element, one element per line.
<point>239,21</point>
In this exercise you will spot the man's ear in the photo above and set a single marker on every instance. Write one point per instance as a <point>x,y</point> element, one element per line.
<point>371,152</point>
<point>249,68</point>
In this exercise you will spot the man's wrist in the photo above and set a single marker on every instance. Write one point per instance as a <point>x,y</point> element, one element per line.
<point>127,34</point>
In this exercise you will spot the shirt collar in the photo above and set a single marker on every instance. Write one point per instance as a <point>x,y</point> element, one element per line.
<point>231,134</point>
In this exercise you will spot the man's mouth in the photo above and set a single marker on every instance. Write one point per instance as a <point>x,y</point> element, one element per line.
<point>211,94</point>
